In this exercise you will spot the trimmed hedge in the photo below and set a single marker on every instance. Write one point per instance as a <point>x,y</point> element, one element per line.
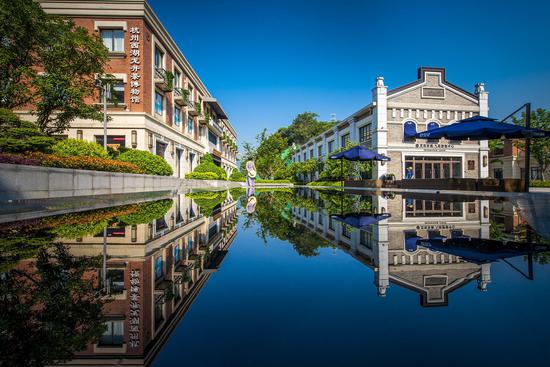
<point>237,176</point>
<point>79,148</point>
<point>539,183</point>
<point>325,183</point>
<point>86,163</point>
<point>207,165</point>
<point>261,180</point>
<point>19,159</point>
<point>201,176</point>
<point>148,162</point>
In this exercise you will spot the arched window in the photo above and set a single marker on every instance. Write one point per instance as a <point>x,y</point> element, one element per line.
<point>409,131</point>
<point>432,125</point>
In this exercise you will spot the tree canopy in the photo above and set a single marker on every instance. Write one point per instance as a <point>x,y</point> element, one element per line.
<point>540,148</point>
<point>304,127</point>
<point>47,64</point>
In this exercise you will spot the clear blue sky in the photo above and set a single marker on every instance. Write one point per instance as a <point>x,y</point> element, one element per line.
<point>267,61</point>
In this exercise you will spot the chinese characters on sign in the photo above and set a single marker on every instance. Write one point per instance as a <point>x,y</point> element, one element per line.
<point>135,66</point>
<point>134,309</point>
<point>435,147</point>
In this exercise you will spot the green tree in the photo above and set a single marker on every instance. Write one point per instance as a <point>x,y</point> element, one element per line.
<point>335,169</point>
<point>268,154</point>
<point>540,148</point>
<point>49,64</point>
<point>49,309</point>
<point>304,127</point>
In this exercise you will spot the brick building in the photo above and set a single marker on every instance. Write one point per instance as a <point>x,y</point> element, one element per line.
<point>162,105</point>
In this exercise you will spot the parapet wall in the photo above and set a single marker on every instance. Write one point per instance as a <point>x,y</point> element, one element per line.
<point>20,182</point>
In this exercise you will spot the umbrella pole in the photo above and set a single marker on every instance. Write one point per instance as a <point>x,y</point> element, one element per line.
<point>342,171</point>
<point>527,173</point>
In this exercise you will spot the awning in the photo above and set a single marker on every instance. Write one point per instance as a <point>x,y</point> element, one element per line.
<point>409,129</point>
<point>213,103</point>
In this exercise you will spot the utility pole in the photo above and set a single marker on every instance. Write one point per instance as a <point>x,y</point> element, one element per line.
<point>105,86</point>
<point>527,173</point>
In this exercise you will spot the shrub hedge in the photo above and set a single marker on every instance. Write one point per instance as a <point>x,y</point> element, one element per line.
<point>201,176</point>
<point>237,176</point>
<point>261,180</point>
<point>539,183</point>
<point>86,163</point>
<point>325,183</point>
<point>148,162</point>
<point>79,148</point>
<point>207,165</point>
<point>18,136</point>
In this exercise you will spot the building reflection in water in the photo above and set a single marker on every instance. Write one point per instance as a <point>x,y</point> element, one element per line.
<point>389,246</point>
<point>153,272</point>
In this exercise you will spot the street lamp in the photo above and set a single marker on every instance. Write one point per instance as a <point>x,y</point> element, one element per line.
<point>105,84</point>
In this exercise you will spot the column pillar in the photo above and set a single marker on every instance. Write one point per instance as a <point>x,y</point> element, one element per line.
<point>483,100</point>
<point>380,125</point>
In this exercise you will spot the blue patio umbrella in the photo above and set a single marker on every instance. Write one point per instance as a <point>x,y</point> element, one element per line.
<point>360,220</point>
<point>479,250</point>
<point>482,128</point>
<point>358,153</point>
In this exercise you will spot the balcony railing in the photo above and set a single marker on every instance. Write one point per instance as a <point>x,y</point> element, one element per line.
<point>164,80</point>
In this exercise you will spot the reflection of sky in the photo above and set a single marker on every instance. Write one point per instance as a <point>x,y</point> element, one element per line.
<point>267,306</point>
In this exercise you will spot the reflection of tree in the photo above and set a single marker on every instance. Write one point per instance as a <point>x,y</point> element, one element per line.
<point>21,240</point>
<point>274,219</point>
<point>48,310</point>
<point>208,200</point>
<point>496,231</point>
<point>525,233</point>
<point>339,203</point>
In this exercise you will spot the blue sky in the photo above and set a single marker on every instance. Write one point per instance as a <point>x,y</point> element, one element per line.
<point>267,61</point>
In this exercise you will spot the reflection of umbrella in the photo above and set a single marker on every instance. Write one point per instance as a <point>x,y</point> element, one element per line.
<point>479,250</point>
<point>411,243</point>
<point>481,128</point>
<point>360,220</point>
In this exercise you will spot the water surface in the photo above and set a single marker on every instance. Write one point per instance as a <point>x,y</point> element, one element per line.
<point>287,277</point>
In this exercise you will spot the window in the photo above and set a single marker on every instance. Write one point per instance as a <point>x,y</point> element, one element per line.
<point>114,335</point>
<point>344,140</point>
<point>331,224</point>
<point>346,231</point>
<point>365,133</point>
<point>159,271</point>
<point>177,116</point>
<point>115,95</point>
<point>305,156</point>
<point>177,254</point>
<point>471,208</point>
<point>320,151</point>
<point>311,153</point>
<point>113,39</point>
<point>432,125</point>
<point>190,125</point>
<point>159,103</point>
<point>159,58</point>
<point>114,141</point>
<point>409,131</point>
<point>330,146</point>
<point>177,78</point>
<point>116,280</point>
<point>212,138</point>
<point>160,149</point>
<point>366,237</point>
<point>159,313</point>
<point>536,173</point>
<point>190,88</point>
<point>471,165</point>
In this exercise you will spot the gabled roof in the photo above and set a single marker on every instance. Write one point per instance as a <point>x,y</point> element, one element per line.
<point>422,79</point>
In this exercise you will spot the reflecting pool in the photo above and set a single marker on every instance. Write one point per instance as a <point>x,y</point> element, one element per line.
<point>287,277</point>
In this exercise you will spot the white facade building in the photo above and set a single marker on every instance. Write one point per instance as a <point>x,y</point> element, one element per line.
<point>387,125</point>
